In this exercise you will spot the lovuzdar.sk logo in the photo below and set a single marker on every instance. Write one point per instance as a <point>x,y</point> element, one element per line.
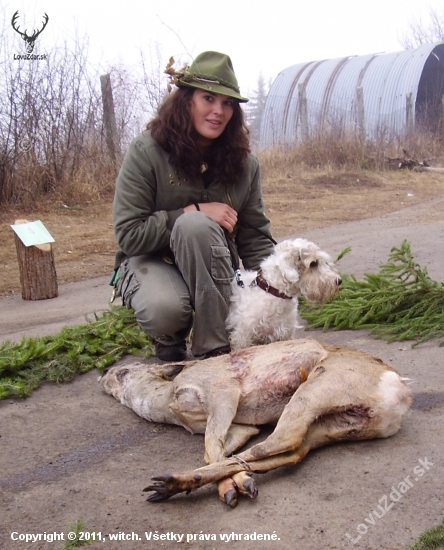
<point>30,40</point>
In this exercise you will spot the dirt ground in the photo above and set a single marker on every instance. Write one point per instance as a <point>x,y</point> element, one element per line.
<point>71,452</point>
<point>84,241</point>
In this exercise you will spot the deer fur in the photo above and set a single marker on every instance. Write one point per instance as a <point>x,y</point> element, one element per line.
<point>315,394</point>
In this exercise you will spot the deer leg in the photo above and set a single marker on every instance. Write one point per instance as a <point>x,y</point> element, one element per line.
<point>168,485</point>
<point>242,482</point>
<point>311,400</point>
<point>288,443</point>
<point>213,414</point>
<point>306,404</point>
<point>222,438</point>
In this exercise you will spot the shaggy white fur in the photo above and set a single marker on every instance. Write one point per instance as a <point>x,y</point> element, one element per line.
<point>296,267</point>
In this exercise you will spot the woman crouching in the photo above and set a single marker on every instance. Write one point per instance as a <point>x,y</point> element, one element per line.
<point>188,183</point>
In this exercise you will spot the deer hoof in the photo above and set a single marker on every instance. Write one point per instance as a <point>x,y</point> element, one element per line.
<point>230,498</point>
<point>249,488</point>
<point>157,497</point>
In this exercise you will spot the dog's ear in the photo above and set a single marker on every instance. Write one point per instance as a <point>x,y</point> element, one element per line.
<point>283,246</point>
<point>312,256</point>
<point>290,274</point>
<point>291,250</point>
<point>291,264</point>
<point>299,249</point>
<point>308,257</point>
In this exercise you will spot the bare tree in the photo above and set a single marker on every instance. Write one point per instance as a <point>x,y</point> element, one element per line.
<point>425,32</point>
<point>51,116</point>
<point>255,109</point>
<point>137,92</point>
<point>49,109</point>
<point>154,86</point>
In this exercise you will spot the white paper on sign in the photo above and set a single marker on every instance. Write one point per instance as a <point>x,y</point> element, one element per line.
<point>32,233</point>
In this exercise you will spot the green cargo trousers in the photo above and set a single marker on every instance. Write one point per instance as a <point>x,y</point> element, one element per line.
<point>169,300</point>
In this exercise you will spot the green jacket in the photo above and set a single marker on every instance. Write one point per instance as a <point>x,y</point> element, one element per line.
<point>151,193</point>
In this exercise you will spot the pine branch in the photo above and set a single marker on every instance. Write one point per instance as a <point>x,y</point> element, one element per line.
<point>83,537</point>
<point>75,350</point>
<point>431,539</point>
<point>401,302</point>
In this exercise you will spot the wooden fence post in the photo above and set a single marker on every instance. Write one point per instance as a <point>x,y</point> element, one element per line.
<point>109,118</point>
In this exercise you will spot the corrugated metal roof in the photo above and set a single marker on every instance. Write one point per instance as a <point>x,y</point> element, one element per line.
<point>332,97</point>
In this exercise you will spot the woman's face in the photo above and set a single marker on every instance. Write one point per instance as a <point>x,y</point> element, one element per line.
<point>210,114</point>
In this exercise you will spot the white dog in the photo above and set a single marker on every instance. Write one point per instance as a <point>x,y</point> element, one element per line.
<point>265,310</point>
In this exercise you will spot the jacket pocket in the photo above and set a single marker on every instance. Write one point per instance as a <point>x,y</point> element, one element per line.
<point>221,267</point>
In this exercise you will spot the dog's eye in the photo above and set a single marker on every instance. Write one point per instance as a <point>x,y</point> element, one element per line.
<point>314,265</point>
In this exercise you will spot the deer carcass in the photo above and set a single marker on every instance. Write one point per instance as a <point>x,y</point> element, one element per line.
<point>314,393</point>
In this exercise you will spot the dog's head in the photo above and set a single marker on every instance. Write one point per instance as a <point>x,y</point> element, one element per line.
<point>300,267</point>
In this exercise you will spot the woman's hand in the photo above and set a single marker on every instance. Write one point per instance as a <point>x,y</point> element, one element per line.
<point>220,212</point>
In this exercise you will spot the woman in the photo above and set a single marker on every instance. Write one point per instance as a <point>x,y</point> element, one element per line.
<point>186,184</point>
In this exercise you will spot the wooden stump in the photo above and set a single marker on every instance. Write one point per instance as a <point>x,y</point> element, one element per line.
<point>37,270</point>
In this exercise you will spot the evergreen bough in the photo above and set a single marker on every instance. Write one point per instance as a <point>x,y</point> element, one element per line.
<point>401,302</point>
<point>74,350</point>
<point>430,540</point>
<point>79,529</point>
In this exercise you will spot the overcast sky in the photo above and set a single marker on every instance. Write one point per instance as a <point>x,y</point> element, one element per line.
<point>260,36</point>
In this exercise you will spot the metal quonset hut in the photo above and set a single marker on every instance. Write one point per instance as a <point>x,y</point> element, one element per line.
<point>378,95</point>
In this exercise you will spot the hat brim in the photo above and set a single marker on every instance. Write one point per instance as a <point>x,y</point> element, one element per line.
<point>215,88</point>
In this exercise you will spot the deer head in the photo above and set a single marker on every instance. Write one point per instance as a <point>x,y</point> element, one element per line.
<point>28,39</point>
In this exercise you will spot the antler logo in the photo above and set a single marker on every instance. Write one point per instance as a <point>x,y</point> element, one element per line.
<point>28,39</point>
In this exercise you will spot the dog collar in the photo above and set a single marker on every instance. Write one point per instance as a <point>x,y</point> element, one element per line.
<point>265,285</point>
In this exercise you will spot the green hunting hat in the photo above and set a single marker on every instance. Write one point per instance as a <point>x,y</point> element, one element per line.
<point>212,71</point>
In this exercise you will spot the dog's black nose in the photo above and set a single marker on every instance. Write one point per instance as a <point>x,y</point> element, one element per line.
<point>339,281</point>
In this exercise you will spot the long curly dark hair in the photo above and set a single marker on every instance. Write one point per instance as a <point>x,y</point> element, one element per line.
<point>173,130</point>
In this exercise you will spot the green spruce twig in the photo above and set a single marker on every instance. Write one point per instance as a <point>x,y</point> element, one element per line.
<point>401,302</point>
<point>342,254</point>
<point>74,350</point>
<point>432,539</point>
<point>81,536</point>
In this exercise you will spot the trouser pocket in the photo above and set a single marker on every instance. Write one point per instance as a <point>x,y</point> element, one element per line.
<point>127,284</point>
<point>221,267</point>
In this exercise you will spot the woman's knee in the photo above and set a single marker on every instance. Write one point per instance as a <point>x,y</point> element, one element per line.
<point>196,226</point>
<point>159,314</point>
<point>159,297</point>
